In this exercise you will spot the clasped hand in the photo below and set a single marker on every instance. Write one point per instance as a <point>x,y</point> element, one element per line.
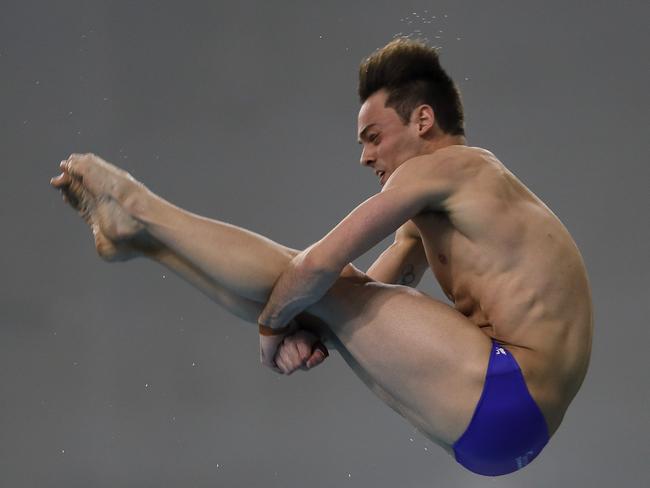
<point>298,350</point>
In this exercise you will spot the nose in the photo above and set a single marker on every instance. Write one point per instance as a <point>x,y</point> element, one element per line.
<point>367,157</point>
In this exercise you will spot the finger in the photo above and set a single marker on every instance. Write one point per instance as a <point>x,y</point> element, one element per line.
<point>281,365</point>
<point>318,356</point>
<point>272,365</point>
<point>315,359</point>
<point>288,359</point>
<point>304,342</point>
<point>275,367</point>
<point>290,350</point>
<point>304,350</point>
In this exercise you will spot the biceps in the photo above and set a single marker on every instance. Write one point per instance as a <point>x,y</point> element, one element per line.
<point>403,263</point>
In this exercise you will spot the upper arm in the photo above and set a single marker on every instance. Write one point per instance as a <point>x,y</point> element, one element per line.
<point>403,263</point>
<point>412,189</point>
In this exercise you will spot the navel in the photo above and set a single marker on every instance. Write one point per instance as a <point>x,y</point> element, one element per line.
<point>442,258</point>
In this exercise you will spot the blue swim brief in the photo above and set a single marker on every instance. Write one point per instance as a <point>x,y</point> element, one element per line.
<point>507,430</point>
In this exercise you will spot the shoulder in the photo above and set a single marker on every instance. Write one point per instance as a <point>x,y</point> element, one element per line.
<point>449,176</point>
<point>444,173</point>
<point>457,163</point>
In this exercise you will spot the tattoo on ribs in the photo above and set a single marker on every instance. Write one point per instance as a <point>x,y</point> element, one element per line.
<point>408,276</point>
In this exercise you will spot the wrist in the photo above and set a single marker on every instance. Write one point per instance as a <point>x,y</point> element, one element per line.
<point>273,331</point>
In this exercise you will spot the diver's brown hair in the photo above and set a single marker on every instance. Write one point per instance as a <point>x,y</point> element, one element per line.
<point>410,72</point>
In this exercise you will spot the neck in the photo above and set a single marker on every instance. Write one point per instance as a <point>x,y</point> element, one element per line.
<point>444,140</point>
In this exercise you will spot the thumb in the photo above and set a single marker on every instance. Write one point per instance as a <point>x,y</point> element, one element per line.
<point>318,355</point>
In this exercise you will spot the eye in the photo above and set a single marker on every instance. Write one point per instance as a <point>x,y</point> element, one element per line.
<point>373,138</point>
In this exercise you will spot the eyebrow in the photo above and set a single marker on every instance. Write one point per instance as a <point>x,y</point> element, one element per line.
<point>362,135</point>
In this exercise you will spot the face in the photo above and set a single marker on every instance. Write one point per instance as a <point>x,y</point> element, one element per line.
<point>386,141</point>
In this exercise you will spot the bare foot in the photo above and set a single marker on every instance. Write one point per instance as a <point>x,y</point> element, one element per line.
<point>101,178</point>
<point>118,236</point>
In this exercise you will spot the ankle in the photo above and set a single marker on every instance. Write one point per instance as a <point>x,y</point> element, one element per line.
<point>136,201</point>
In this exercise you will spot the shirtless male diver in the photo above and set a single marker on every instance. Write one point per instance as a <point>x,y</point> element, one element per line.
<point>488,379</point>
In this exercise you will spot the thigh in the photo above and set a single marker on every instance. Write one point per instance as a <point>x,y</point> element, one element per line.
<point>423,357</point>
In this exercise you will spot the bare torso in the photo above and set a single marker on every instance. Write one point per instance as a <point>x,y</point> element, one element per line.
<point>511,267</point>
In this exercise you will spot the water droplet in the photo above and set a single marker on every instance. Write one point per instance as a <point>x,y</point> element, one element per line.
<point>62,451</point>
<point>349,475</point>
<point>146,385</point>
<point>411,439</point>
<point>458,38</point>
<point>193,364</point>
<point>38,82</point>
<point>466,78</point>
<point>162,275</point>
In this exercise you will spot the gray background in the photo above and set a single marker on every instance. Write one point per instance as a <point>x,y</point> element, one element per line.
<point>122,375</point>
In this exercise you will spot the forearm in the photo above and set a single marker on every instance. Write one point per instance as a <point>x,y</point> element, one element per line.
<point>403,263</point>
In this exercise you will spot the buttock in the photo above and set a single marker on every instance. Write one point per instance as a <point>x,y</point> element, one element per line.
<point>508,429</point>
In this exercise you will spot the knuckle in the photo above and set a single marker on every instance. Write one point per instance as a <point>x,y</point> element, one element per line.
<point>304,350</point>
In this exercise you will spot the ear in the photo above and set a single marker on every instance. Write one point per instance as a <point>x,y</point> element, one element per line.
<point>424,118</point>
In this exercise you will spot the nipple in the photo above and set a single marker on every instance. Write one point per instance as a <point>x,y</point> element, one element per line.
<point>442,258</point>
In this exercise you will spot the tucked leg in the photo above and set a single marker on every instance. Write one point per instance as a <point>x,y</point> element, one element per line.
<point>422,357</point>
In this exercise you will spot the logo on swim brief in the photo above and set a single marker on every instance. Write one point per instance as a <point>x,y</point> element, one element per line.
<point>523,460</point>
<point>501,350</point>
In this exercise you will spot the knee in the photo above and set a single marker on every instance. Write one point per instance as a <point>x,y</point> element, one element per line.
<point>354,273</point>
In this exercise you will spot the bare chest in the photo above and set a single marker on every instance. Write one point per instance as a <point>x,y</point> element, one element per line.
<point>443,245</point>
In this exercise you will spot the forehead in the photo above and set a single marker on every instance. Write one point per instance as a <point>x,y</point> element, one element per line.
<point>374,111</point>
